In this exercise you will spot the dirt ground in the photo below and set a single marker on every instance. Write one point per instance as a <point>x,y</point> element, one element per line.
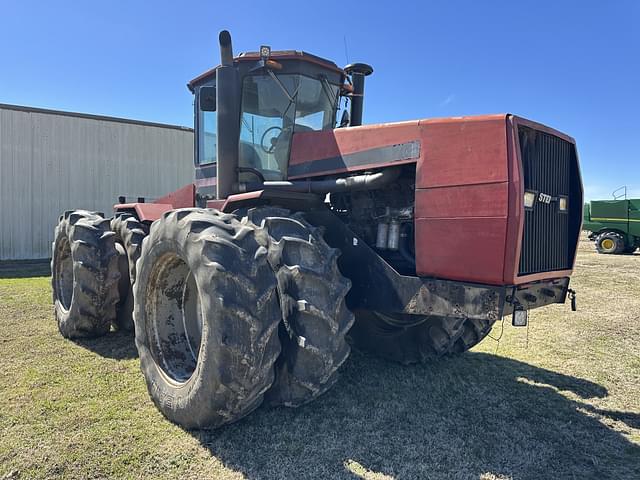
<point>560,399</point>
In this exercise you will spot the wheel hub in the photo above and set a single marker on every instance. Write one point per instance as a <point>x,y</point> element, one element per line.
<point>608,244</point>
<point>174,318</point>
<point>63,274</point>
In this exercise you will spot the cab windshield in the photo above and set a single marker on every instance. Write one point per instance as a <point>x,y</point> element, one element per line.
<point>273,108</point>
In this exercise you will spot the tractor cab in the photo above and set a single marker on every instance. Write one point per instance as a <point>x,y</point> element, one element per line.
<point>248,109</point>
<point>275,105</point>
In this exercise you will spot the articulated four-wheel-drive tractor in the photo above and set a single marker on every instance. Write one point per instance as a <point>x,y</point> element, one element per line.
<point>410,238</point>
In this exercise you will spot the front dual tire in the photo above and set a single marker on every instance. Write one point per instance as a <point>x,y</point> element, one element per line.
<point>218,297</point>
<point>207,317</point>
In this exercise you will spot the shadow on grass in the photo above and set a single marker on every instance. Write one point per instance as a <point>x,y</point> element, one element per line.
<point>118,345</point>
<point>457,418</point>
<point>25,268</point>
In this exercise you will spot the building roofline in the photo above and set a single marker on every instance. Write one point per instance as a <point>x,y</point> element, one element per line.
<point>89,116</point>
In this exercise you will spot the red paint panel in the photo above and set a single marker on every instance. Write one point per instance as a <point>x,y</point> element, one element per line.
<point>275,55</point>
<point>144,211</point>
<point>463,151</point>
<point>217,204</point>
<point>463,201</point>
<point>181,198</point>
<point>233,201</point>
<point>310,146</point>
<point>465,249</point>
<point>151,211</point>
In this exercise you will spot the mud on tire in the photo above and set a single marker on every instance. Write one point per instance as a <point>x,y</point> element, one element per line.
<point>315,319</point>
<point>84,274</point>
<point>206,317</point>
<point>427,339</point>
<point>130,233</point>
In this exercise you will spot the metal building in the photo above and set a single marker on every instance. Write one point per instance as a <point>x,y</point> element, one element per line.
<point>52,161</point>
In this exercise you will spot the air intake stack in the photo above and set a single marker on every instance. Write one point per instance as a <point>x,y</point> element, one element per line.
<point>357,71</point>
<point>228,112</point>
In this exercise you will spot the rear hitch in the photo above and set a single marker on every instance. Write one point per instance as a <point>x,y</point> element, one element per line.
<point>572,296</point>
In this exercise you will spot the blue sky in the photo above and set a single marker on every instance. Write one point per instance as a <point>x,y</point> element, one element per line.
<point>573,65</point>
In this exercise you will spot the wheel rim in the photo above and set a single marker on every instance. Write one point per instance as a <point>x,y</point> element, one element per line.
<point>63,274</point>
<point>174,318</point>
<point>608,244</point>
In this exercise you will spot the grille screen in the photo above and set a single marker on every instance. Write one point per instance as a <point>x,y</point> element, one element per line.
<point>548,165</point>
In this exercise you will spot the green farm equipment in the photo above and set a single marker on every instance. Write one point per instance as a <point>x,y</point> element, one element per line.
<point>613,224</point>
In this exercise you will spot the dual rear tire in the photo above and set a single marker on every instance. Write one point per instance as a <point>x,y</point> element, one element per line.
<point>129,234</point>
<point>84,274</point>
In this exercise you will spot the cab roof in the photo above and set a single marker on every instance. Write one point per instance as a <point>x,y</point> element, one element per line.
<point>275,55</point>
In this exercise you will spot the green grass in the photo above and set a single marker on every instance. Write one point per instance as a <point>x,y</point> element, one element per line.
<point>562,401</point>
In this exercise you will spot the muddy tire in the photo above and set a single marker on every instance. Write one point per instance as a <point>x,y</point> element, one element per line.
<point>130,233</point>
<point>424,341</point>
<point>84,274</point>
<point>206,317</point>
<point>315,319</point>
<point>610,243</point>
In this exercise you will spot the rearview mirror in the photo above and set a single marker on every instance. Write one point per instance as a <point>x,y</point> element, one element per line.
<point>207,99</point>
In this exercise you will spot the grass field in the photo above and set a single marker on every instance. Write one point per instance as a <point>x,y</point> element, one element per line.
<point>559,401</point>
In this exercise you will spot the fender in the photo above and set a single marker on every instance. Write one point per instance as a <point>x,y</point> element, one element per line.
<point>150,212</point>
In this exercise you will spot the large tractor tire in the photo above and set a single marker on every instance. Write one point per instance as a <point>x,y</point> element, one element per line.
<point>84,274</point>
<point>315,319</point>
<point>424,340</point>
<point>129,235</point>
<point>206,317</point>
<point>611,243</point>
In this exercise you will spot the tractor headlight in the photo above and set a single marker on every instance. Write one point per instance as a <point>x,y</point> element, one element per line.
<point>265,52</point>
<point>520,317</point>
<point>563,204</point>
<point>529,199</point>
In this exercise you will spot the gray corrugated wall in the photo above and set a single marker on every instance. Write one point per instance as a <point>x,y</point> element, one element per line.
<point>50,163</point>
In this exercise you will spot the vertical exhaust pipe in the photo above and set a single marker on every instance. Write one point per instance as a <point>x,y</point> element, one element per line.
<point>357,71</point>
<point>226,50</point>
<point>228,121</point>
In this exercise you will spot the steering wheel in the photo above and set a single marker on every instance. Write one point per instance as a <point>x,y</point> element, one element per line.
<point>274,139</point>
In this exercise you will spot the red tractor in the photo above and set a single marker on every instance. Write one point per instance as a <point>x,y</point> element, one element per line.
<point>411,238</point>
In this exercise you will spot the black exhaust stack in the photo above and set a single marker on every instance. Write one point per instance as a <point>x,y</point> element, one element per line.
<point>357,71</point>
<point>228,112</point>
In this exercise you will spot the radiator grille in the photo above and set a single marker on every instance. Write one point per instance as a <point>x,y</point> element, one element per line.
<point>547,168</point>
